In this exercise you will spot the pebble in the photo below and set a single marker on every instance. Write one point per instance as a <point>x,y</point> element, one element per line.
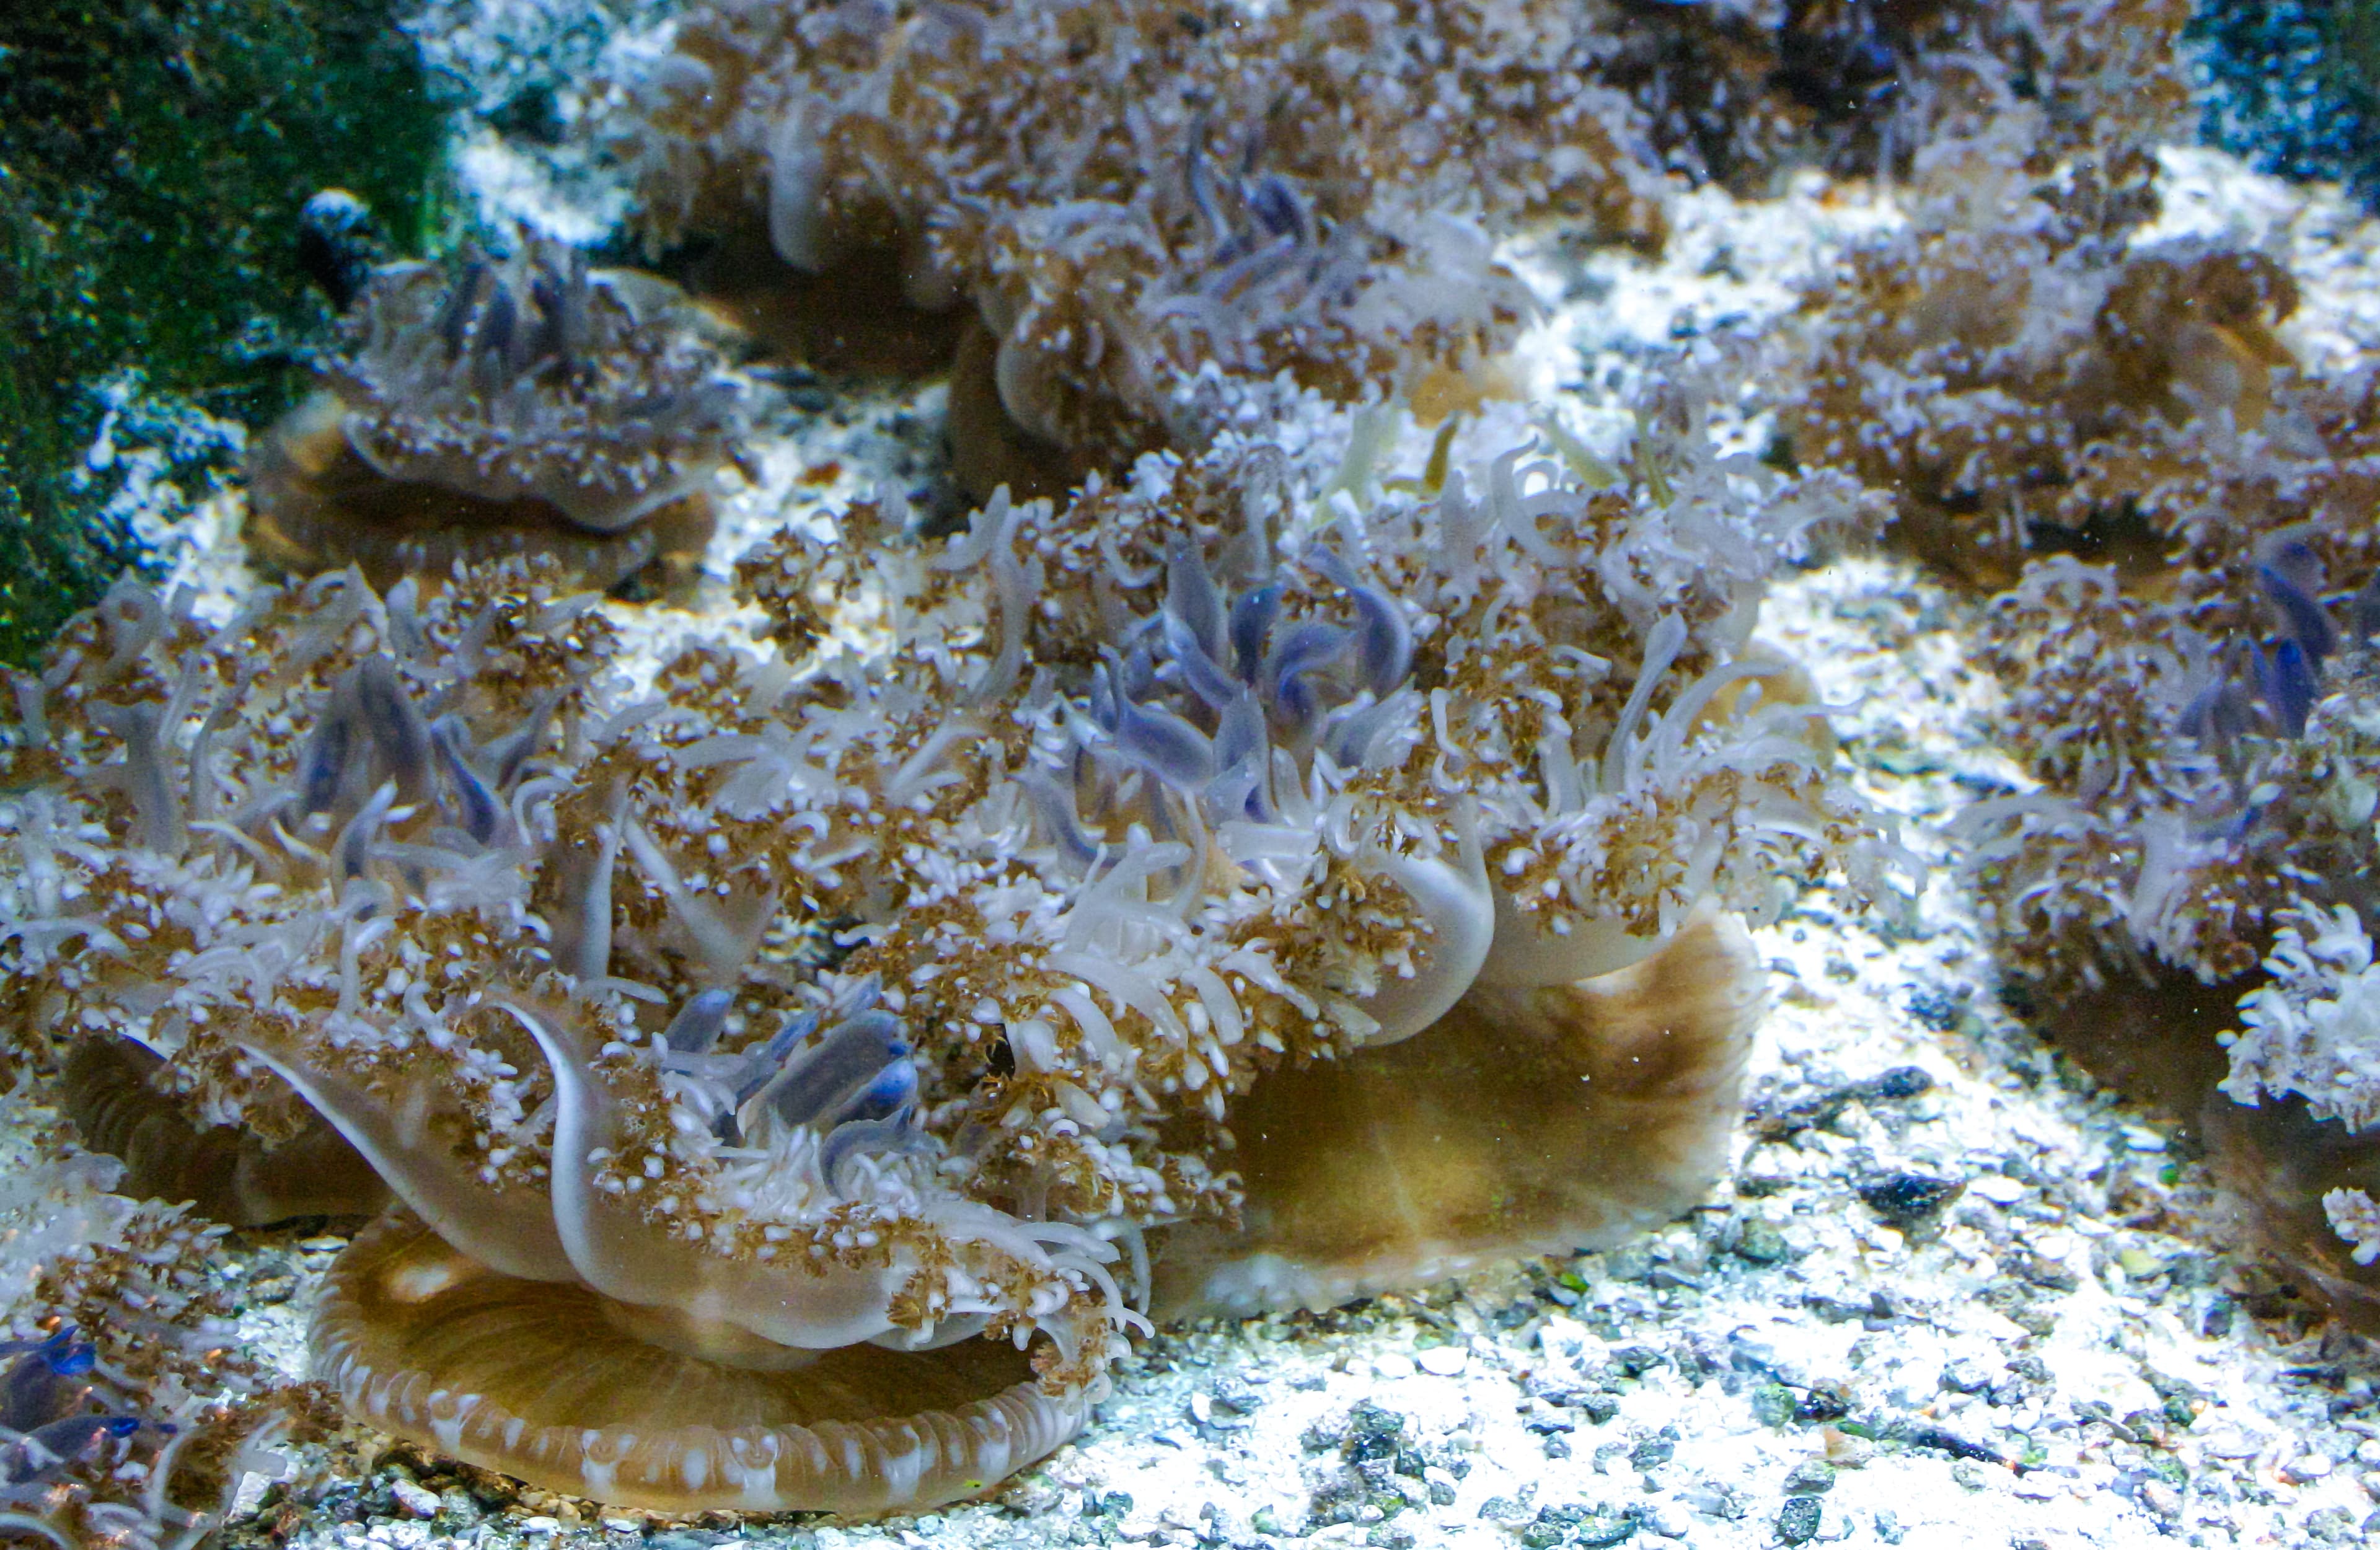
<point>1998,1188</point>
<point>1444,1362</point>
<point>1797,1522</point>
<point>414,1501</point>
<point>1393,1366</point>
<point>540,1525</point>
<point>1761,1242</point>
<point>2305,1469</point>
<point>249,1494</point>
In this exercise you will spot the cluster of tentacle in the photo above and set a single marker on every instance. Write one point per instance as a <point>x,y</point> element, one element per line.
<point>2172,512</point>
<point>2117,441</point>
<point>2023,385</point>
<point>1123,196</point>
<point>1735,94</point>
<point>1126,197</point>
<point>2184,776</point>
<point>884,993</point>
<point>1282,789</point>
<point>528,405</point>
<point>533,379</point>
<point>124,1420</point>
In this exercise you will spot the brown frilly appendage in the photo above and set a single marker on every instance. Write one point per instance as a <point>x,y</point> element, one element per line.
<point>2275,1163</point>
<point>558,1386</point>
<point>1524,1121</point>
<point>229,1174</point>
<point>316,504</point>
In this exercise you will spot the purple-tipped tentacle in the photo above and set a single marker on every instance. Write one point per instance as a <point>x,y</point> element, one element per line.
<point>1350,735</point>
<point>1241,734</point>
<point>454,318</point>
<point>2308,626</point>
<point>1054,805</point>
<point>507,753</point>
<point>1192,600</point>
<point>147,779</point>
<point>1165,746</point>
<point>699,1023</point>
<point>323,768</point>
<point>2286,679</point>
<point>827,1075</point>
<point>47,1450</point>
<point>1135,677</point>
<point>1200,674</point>
<point>2363,611</point>
<point>498,322</point>
<point>1383,640</point>
<point>473,805</point>
<point>1105,714</point>
<point>352,855</point>
<point>35,1388</point>
<point>1305,650</point>
<point>1277,208</point>
<point>895,1134</point>
<point>1251,626</point>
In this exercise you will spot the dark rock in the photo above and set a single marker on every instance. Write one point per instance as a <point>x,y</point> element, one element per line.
<point>1633,1263</point>
<point>1824,1401</point>
<point>1373,1431</point>
<point>2048,1274</point>
<point>1595,1525</point>
<point>1761,1244</point>
<point>1937,1007</point>
<point>1637,1361</point>
<point>1797,1521</point>
<point>1907,1200</point>
<point>1778,1123</point>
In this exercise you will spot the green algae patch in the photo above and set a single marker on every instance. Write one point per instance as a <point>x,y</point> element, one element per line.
<point>2292,87</point>
<point>153,158</point>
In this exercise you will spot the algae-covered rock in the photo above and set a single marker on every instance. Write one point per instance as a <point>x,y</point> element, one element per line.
<point>2294,88</point>
<point>153,158</point>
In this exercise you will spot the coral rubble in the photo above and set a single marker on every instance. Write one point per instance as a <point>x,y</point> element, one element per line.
<point>839,1029</point>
